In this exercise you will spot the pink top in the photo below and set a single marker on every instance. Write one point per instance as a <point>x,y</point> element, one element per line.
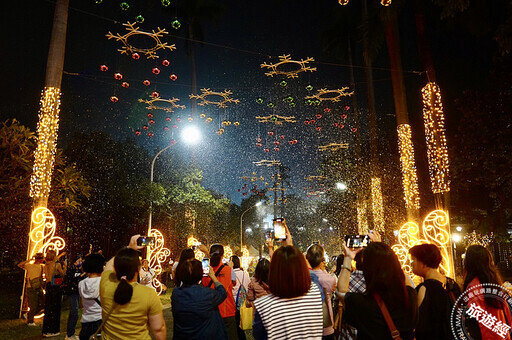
<point>257,290</point>
<point>328,283</point>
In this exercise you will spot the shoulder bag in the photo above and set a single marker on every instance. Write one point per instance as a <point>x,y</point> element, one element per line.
<point>95,335</point>
<point>241,295</point>
<point>216,273</point>
<point>395,334</point>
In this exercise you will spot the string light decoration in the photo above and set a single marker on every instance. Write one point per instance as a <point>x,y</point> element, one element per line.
<point>315,178</point>
<point>333,146</point>
<point>42,236</point>
<point>228,252</point>
<point>276,119</point>
<point>265,162</point>
<point>362,218</point>
<point>193,243</point>
<point>409,177</point>
<point>44,156</point>
<point>435,230</point>
<point>435,133</point>
<point>207,92</point>
<point>253,178</point>
<point>377,205</point>
<point>478,239</point>
<point>169,109</point>
<point>330,95</point>
<point>134,31</point>
<point>285,59</point>
<point>245,259</point>
<point>157,255</point>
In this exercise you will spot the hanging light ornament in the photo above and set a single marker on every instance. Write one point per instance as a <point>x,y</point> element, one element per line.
<point>146,82</point>
<point>176,24</point>
<point>118,76</point>
<point>173,77</point>
<point>139,18</point>
<point>166,128</point>
<point>137,132</point>
<point>104,68</point>
<point>166,3</point>
<point>283,83</point>
<point>135,56</point>
<point>114,99</point>
<point>270,105</point>
<point>124,6</point>
<point>259,100</point>
<point>150,134</point>
<point>168,119</point>
<point>166,62</point>
<point>156,70</point>
<point>151,122</point>
<point>125,84</point>
<point>309,87</point>
<point>155,94</point>
<point>343,2</point>
<point>145,127</point>
<point>385,2</point>
<point>150,115</point>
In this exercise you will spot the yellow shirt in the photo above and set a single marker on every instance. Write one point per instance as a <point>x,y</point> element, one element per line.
<point>129,321</point>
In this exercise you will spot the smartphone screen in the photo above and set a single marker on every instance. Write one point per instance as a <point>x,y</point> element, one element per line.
<point>206,266</point>
<point>268,235</point>
<point>279,229</point>
<point>357,241</point>
<point>146,241</point>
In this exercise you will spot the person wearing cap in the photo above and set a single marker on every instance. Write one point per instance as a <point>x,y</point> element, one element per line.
<point>34,280</point>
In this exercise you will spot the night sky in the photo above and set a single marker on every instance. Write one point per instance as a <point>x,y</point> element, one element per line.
<point>248,34</point>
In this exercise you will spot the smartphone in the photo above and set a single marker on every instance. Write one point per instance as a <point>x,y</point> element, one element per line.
<point>206,266</point>
<point>357,241</point>
<point>146,241</point>
<point>268,235</point>
<point>279,229</point>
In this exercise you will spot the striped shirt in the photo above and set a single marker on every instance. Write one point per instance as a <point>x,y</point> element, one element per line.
<point>292,318</point>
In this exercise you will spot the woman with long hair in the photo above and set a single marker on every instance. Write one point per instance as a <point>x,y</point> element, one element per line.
<point>227,277</point>
<point>258,286</point>
<point>186,254</point>
<point>386,282</point>
<point>293,310</point>
<point>130,310</point>
<point>479,269</point>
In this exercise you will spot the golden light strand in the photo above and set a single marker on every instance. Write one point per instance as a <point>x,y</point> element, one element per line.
<point>409,177</point>
<point>437,150</point>
<point>362,218</point>
<point>42,236</point>
<point>478,239</point>
<point>191,241</point>
<point>377,205</point>
<point>157,254</point>
<point>435,230</point>
<point>40,182</point>
<point>245,257</point>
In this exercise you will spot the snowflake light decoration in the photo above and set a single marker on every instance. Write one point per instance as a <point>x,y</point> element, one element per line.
<point>152,106</point>
<point>276,119</point>
<point>265,162</point>
<point>285,59</point>
<point>333,147</point>
<point>134,31</point>
<point>330,95</point>
<point>207,92</point>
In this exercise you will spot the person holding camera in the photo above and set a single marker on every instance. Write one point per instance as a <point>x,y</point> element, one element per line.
<point>34,285</point>
<point>195,308</point>
<point>130,310</point>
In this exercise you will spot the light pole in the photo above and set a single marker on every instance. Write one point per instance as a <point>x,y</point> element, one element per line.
<point>241,219</point>
<point>151,180</point>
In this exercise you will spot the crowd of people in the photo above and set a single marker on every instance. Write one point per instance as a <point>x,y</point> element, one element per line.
<point>292,295</point>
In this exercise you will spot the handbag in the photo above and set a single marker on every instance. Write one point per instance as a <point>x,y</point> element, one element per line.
<point>56,279</point>
<point>395,334</point>
<point>246,317</point>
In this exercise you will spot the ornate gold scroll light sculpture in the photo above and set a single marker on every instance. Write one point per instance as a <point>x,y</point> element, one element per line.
<point>435,230</point>
<point>42,235</point>
<point>157,255</point>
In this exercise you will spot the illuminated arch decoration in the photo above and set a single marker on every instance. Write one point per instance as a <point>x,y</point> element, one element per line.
<point>265,162</point>
<point>42,236</point>
<point>134,31</point>
<point>172,102</point>
<point>330,95</point>
<point>207,92</point>
<point>333,147</point>
<point>435,230</point>
<point>437,149</point>
<point>191,242</point>
<point>285,59</point>
<point>276,119</point>
<point>157,255</point>
<point>44,156</point>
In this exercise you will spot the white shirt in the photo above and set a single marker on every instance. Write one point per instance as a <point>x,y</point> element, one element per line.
<point>241,278</point>
<point>89,289</point>
<point>146,277</point>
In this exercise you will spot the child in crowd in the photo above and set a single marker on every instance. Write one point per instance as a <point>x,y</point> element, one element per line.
<point>89,290</point>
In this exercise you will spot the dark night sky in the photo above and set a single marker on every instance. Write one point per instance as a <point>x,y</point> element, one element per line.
<point>253,31</point>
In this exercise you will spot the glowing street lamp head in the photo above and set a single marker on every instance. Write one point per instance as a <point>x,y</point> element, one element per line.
<point>259,203</point>
<point>341,186</point>
<point>191,135</point>
<point>456,238</point>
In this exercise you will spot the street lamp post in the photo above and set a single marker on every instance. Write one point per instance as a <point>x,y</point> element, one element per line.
<point>241,219</point>
<point>151,179</point>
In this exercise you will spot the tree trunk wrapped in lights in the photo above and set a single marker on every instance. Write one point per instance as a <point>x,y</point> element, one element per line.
<point>409,176</point>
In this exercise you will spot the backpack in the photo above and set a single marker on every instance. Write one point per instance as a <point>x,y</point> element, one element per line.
<point>240,296</point>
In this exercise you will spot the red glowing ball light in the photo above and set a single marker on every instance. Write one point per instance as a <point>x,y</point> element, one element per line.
<point>156,70</point>
<point>343,116</point>
<point>276,149</point>
<point>271,133</point>
<point>178,120</point>
<point>318,128</point>
<point>137,133</point>
<point>282,136</point>
<point>118,76</point>
<point>354,129</point>
<point>136,56</point>
<point>341,126</point>
<point>347,108</point>
<point>318,116</point>
<point>267,150</point>
<point>290,142</point>
<point>166,62</point>
<point>173,77</point>
<point>175,126</point>
<point>104,68</point>
<point>335,124</point>
<point>125,84</point>
<point>150,115</point>
<point>151,121</point>
<point>167,119</point>
<point>155,94</point>
<point>312,121</point>
<point>146,82</point>
<point>327,110</point>
<point>259,145</point>
<point>114,99</point>
<point>306,122</point>
<point>145,127</point>
<point>258,140</point>
<point>166,128</point>
<point>276,142</point>
<point>151,134</point>
<point>172,142</point>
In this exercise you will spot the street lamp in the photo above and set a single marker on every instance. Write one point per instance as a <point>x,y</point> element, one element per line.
<point>191,134</point>
<point>241,219</point>
<point>151,180</point>
<point>341,186</point>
